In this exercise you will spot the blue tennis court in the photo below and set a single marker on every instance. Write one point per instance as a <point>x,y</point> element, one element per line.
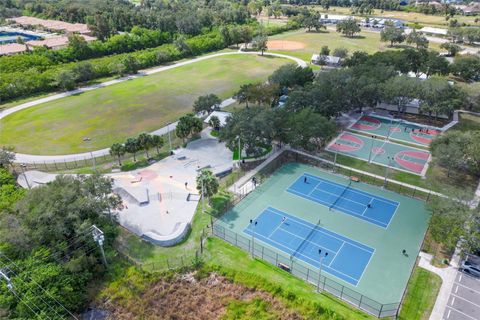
<point>344,198</point>
<point>347,259</point>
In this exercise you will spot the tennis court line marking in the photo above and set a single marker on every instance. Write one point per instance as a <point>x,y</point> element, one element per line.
<point>356,191</point>
<point>354,214</point>
<point>275,229</point>
<point>352,242</point>
<point>366,160</point>
<point>392,139</point>
<point>392,142</point>
<point>321,201</point>
<point>313,243</point>
<point>336,254</point>
<point>260,236</point>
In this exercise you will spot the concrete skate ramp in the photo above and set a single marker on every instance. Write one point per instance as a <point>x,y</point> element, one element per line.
<point>180,231</point>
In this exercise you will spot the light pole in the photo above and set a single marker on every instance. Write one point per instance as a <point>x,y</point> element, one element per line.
<point>169,139</point>
<point>320,268</point>
<point>253,224</point>
<point>239,149</point>
<point>371,148</point>
<point>336,153</point>
<point>23,166</point>
<point>203,199</point>
<point>386,171</point>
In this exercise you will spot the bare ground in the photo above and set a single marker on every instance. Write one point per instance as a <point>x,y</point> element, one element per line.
<point>184,297</point>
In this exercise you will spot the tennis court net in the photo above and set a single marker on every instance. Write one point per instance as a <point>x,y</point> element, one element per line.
<point>341,195</point>
<point>306,239</point>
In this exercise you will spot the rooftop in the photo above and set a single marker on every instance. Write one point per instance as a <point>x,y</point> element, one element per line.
<point>55,42</point>
<point>51,24</point>
<point>12,48</point>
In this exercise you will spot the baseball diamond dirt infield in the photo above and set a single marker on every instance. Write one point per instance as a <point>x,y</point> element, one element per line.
<point>285,45</point>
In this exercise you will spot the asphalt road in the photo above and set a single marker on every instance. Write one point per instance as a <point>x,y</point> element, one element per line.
<point>464,300</point>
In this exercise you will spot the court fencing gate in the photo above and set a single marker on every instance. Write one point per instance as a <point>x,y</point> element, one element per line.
<point>311,276</point>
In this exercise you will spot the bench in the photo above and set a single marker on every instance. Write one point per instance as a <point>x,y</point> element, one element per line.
<point>284,267</point>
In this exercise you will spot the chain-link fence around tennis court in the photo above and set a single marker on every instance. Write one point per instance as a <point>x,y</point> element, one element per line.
<point>310,275</point>
<point>290,155</point>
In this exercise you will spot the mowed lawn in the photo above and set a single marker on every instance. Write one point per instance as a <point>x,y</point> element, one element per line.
<point>412,17</point>
<point>113,113</point>
<point>367,41</point>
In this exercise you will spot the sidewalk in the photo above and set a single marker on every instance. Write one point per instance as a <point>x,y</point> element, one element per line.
<point>28,158</point>
<point>448,275</point>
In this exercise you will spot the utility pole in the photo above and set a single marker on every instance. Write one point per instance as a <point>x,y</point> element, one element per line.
<point>99,238</point>
<point>3,274</point>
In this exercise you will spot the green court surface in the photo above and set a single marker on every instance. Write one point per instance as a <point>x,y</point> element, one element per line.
<point>382,152</point>
<point>396,129</point>
<point>386,272</point>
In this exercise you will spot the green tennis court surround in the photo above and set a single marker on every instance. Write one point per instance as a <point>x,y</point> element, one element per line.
<point>296,225</point>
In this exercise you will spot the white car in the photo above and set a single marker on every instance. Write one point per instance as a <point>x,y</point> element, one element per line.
<point>470,268</point>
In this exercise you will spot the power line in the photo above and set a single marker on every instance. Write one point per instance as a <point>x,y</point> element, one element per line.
<point>41,288</point>
<point>11,288</point>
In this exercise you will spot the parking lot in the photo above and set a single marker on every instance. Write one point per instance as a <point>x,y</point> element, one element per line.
<point>464,300</point>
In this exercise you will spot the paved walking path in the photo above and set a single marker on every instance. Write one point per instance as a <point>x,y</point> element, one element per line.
<point>448,275</point>
<point>28,158</point>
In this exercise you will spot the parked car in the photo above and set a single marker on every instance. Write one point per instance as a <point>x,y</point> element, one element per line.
<point>470,268</point>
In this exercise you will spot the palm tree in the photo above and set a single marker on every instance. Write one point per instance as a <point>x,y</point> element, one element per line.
<point>145,142</point>
<point>132,146</point>
<point>117,150</point>
<point>157,142</point>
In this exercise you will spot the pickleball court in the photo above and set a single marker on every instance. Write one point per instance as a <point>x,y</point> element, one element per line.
<point>396,129</point>
<point>381,152</point>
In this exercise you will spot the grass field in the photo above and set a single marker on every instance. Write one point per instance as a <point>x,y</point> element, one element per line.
<point>365,41</point>
<point>114,113</point>
<point>413,17</point>
<point>421,295</point>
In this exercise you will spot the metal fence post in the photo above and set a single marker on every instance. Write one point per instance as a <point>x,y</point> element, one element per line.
<point>380,311</point>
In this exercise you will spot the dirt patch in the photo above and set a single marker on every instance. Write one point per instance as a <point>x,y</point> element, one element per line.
<point>183,298</point>
<point>285,45</point>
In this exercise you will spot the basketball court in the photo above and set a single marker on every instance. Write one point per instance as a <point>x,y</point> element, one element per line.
<point>396,129</point>
<point>382,152</point>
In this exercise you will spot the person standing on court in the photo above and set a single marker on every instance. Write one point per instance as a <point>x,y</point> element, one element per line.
<point>304,179</point>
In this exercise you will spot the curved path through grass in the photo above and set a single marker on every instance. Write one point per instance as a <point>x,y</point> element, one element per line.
<point>58,123</point>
